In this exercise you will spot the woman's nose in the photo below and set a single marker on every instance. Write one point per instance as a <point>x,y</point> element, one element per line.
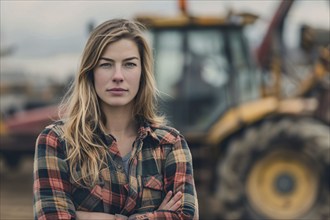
<point>118,75</point>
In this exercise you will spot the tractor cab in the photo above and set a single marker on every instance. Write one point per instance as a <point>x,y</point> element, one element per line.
<point>199,63</point>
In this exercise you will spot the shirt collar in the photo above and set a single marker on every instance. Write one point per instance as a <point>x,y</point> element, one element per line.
<point>146,131</point>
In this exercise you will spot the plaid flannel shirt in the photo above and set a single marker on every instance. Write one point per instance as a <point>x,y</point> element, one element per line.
<point>160,161</point>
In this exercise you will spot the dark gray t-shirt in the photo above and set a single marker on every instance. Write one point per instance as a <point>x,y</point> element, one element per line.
<point>125,161</point>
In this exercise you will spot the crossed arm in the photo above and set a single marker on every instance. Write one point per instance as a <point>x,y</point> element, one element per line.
<point>170,203</point>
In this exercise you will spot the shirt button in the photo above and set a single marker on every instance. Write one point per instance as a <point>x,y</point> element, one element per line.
<point>119,167</point>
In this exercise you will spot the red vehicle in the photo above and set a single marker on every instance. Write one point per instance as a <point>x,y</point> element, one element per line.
<point>19,132</point>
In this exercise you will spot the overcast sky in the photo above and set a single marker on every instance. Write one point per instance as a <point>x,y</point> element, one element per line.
<point>48,36</point>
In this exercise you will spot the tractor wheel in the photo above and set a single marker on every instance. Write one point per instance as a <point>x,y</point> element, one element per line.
<point>278,170</point>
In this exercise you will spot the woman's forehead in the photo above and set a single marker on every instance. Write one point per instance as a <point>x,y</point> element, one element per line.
<point>124,48</point>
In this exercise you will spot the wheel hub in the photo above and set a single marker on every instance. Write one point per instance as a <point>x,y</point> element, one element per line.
<point>285,183</point>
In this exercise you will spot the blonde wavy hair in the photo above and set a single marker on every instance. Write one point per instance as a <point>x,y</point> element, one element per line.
<point>80,110</point>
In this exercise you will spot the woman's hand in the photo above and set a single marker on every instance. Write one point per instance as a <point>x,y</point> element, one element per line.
<point>171,203</point>
<point>81,215</point>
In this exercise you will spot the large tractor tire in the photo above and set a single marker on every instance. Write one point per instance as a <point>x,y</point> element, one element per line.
<point>278,170</point>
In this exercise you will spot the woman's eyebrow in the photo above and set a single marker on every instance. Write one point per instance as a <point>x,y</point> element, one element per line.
<point>106,59</point>
<point>131,58</point>
<point>111,60</point>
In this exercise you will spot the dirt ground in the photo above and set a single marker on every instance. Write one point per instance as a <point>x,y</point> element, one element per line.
<point>16,191</point>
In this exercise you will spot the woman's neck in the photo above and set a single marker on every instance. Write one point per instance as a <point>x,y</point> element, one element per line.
<point>120,122</point>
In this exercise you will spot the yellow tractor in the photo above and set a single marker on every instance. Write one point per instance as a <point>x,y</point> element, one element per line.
<point>256,153</point>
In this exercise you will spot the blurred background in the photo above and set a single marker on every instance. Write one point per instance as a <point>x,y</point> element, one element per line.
<point>246,82</point>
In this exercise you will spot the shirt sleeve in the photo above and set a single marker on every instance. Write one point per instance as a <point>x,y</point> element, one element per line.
<point>178,176</point>
<point>51,187</point>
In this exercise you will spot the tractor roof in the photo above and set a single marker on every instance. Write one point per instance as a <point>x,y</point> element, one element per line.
<point>183,20</point>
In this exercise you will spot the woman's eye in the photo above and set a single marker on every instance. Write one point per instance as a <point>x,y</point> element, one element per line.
<point>105,65</point>
<point>130,65</point>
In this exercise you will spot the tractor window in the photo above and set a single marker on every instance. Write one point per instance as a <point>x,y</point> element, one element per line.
<point>246,77</point>
<point>192,75</point>
<point>207,78</point>
<point>169,62</point>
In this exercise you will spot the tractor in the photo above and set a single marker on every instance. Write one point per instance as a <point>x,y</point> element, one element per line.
<point>257,154</point>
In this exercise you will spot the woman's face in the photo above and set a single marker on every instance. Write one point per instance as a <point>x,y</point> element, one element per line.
<point>117,74</point>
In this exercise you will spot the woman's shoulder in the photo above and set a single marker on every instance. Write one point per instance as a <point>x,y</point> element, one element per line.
<point>54,129</point>
<point>51,139</point>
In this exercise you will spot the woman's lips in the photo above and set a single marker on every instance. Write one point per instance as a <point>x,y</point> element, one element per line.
<point>117,91</point>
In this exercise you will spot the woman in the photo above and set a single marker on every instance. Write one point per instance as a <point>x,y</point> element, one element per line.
<point>111,156</point>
